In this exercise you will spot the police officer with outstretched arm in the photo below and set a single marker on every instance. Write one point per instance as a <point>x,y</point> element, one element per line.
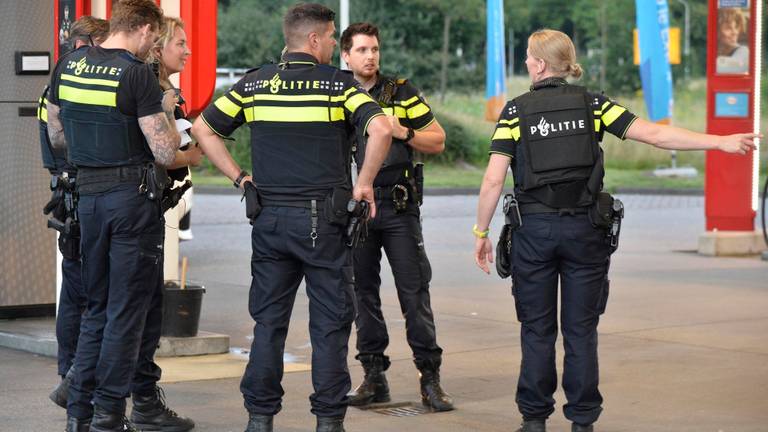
<point>107,108</point>
<point>302,114</point>
<point>561,226</point>
<point>397,229</point>
<point>62,209</point>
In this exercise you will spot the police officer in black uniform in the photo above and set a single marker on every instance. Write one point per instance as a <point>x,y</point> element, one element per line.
<point>563,227</point>
<point>302,114</point>
<point>397,229</point>
<point>106,106</point>
<point>62,209</point>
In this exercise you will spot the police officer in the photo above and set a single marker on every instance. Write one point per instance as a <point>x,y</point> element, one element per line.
<point>107,106</point>
<point>551,138</point>
<point>86,30</point>
<point>397,229</point>
<point>302,113</point>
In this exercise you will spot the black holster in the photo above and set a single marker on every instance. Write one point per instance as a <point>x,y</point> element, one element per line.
<point>172,195</point>
<point>252,198</point>
<point>63,211</point>
<point>606,214</point>
<point>358,212</point>
<point>336,207</point>
<point>512,221</point>
<point>418,182</point>
<point>154,182</point>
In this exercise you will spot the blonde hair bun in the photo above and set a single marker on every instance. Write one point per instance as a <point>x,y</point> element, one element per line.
<point>575,70</point>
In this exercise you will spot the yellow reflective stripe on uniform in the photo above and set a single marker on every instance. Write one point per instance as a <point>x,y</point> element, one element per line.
<point>597,113</point>
<point>94,81</point>
<point>510,122</point>
<point>417,111</point>
<point>605,105</point>
<point>227,106</point>
<point>612,114</point>
<point>355,101</point>
<point>88,97</point>
<point>235,95</point>
<point>293,114</point>
<point>42,110</point>
<point>409,101</point>
<point>350,91</point>
<point>43,115</point>
<point>507,133</point>
<point>597,125</point>
<point>388,110</point>
<point>291,98</point>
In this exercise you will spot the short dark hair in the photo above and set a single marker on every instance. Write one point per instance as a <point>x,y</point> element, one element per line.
<point>300,17</point>
<point>355,29</point>
<point>130,15</point>
<point>88,29</point>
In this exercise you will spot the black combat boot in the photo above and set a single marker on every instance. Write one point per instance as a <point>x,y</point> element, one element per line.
<point>259,423</point>
<point>534,425</point>
<point>374,388</point>
<point>77,425</point>
<point>104,421</point>
<point>432,395</point>
<point>330,424</point>
<point>575,427</point>
<point>59,394</point>
<point>151,414</point>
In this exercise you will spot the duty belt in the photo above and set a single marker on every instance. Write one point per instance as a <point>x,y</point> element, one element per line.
<point>538,208</point>
<point>131,173</point>
<point>287,203</point>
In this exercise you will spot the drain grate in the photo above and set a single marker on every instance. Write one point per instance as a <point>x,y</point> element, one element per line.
<point>404,409</point>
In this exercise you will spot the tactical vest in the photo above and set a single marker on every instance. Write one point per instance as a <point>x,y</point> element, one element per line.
<point>97,133</point>
<point>53,159</point>
<point>559,161</point>
<point>399,160</point>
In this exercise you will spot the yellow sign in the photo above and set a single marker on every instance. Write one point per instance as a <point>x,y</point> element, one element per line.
<point>674,46</point>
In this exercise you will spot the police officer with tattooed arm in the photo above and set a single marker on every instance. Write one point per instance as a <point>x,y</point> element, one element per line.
<point>107,108</point>
<point>560,225</point>
<point>302,114</point>
<point>398,190</point>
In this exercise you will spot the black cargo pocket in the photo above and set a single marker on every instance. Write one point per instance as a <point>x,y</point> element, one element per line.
<point>518,307</point>
<point>604,296</point>
<point>347,300</point>
<point>425,268</point>
<point>150,263</point>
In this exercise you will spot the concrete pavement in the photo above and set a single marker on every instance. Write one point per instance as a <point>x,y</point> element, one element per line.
<point>683,344</point>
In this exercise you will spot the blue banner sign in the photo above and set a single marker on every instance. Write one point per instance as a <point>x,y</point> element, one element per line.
<point>495,78</point>
<point>655,72</point>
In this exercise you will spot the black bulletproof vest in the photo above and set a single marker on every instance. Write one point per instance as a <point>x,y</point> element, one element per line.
<point>53,159</point>
<point>399,160</point>
<point>559,161</point>
<point>97,133</point>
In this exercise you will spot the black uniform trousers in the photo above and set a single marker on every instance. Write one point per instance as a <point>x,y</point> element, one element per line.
<point>72,302</point>
<point>400,236</point>
<point>283,255</point>
<point>122,256</point>
<point>549,247</point>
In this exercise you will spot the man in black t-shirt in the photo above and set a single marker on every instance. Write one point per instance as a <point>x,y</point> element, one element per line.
<point>397,230</point>
<point>106,106</point>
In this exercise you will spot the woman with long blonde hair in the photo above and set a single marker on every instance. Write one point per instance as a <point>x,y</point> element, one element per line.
<point>169,56</point>
<point>560,224</point>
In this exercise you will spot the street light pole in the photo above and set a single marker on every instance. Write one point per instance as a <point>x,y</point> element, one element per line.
<point>344,21</point>
<point>687,42</point>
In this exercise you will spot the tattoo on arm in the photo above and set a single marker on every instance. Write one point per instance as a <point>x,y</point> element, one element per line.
<point>162,139</point>
<point>55,129</point>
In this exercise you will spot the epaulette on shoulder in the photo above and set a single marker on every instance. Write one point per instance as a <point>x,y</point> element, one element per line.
<point>254,69</point>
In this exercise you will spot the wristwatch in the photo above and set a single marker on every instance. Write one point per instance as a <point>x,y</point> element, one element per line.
<point>239,179</point>
<point>411,134</point>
